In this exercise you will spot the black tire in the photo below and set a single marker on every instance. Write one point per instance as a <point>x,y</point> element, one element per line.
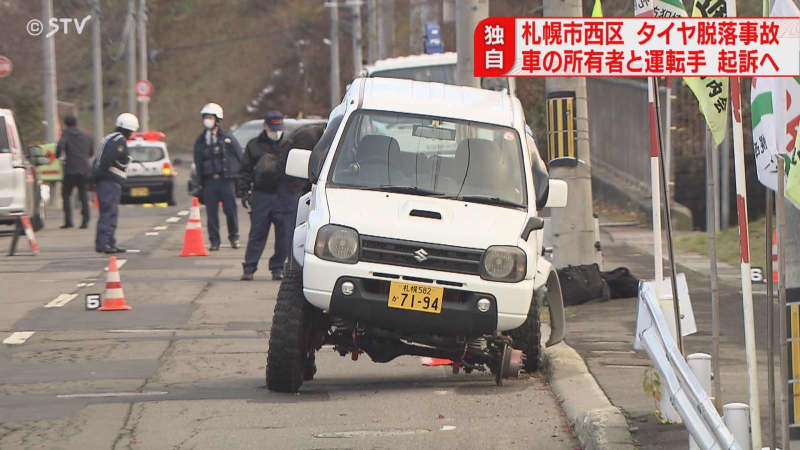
<point>528,338</point>
<point>287,352</point>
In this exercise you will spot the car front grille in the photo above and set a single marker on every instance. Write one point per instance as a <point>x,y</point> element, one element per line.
<point>397,252</point>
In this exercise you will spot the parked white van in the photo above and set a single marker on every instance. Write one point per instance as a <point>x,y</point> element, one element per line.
<point>437,67</point>
<point>19,181</point>
<point>421,235</point>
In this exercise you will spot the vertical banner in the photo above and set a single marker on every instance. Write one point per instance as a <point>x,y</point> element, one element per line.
<point>562,136</point>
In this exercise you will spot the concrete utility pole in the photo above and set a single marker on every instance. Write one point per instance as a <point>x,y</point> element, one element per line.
<point>131,56</point>
<point>334,78</point>
<point>576,236</point>
<point>357,38</point>
<point>386,29</point>
<point>468,14</point>
<point>372,31</point>
<point>144,113</point>
<point>97,72</point>
<point>50,90</point>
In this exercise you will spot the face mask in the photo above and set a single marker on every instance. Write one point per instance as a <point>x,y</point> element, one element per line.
<point>209,123</point>
<point>275,135</point>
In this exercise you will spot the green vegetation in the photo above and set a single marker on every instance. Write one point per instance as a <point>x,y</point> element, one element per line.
<point>728,244</point>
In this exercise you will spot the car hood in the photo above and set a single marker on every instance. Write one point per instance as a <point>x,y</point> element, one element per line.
<point>462,224</point>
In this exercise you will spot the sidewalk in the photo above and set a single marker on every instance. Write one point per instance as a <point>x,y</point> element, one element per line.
<point>602,333</point>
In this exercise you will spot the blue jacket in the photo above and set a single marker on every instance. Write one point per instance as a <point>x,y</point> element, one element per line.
<point>204,159</point>
<point>112,161</point>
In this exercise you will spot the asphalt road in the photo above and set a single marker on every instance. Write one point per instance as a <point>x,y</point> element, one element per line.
<point>185,368</point>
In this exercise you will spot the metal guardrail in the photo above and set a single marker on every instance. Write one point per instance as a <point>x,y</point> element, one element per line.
<point>687,396</point>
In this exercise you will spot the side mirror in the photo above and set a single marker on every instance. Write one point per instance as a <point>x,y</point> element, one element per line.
<point>297,163</point>
<point>557,197</point>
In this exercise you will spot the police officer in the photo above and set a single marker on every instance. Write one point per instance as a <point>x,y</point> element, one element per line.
<point>264,184</point>
<point>109,172</point>
<point>217,158</point>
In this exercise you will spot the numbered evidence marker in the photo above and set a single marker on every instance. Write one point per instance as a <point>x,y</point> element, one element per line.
<point>757,275</point>
<point>93,301</point>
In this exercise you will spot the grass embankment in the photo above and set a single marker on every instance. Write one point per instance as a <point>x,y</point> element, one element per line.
<point>728,244</point>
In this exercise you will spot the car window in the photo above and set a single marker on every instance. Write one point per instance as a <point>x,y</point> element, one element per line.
<point>440,156</point>
<point>439,74</point>
<point>144,153</point>
<point>5,147</point>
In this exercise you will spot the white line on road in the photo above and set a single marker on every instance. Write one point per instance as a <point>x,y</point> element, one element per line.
<point>151,233</point>
<point>141,331</point>
<point>133,250</point>
<point>112,394</point>
<point>81,285</point>
<point>184,212</point>
<point>160,228</point>
<point>18,338</point>
<point>173,219</point>
<point>61,300</point>
<point>89,284</point>
<point>120,263</point>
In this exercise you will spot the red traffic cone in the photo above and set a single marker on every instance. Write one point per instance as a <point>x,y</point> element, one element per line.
<point>193,244</point>
<point>113,298</point>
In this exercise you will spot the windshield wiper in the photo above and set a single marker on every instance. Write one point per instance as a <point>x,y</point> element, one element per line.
<point>407,190</point>
<point>489,200</point>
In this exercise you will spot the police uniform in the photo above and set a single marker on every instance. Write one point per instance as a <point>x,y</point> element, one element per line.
<point>109,172</point>
<point>217,158</point>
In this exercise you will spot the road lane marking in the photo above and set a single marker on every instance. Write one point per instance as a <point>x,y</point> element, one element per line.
<point>142,331</point>
<point>448,427</point>
<point>18,338</point>
<point>133,250</point>
<point>160,228</point>
<point>173,219</point>
<point>81,285</point>
<point>151,233</point>
<point>369,433</point>
<point>120,263</point>
<point>61,300</point>
<point>113,394</point>
<point>184,212</point>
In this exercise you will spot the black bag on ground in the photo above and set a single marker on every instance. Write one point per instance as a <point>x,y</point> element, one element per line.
<point>581,284</point>
<point>622,283</point>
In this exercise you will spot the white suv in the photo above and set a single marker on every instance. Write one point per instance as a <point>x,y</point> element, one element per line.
<point>20,193</point>
<point>420,236</point>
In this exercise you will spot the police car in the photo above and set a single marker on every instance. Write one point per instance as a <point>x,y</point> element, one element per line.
<point>150,172</point>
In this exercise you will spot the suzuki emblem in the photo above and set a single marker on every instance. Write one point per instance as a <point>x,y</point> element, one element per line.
<point>420,255</point>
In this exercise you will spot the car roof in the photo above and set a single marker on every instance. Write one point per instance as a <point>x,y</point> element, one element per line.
<point>148,143</point>
<point>405,62</point>
<point>286,121</point>
<point>437,99</point>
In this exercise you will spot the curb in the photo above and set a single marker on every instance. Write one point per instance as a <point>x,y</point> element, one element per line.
<point>598,424</point>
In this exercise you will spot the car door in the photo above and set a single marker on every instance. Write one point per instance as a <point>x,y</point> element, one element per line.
<point>12,165</point>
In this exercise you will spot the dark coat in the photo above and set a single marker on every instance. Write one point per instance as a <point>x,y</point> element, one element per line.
<point>112,161</point>
<point>78,148</point>
<point>231,156</point>
<point>264,164</point>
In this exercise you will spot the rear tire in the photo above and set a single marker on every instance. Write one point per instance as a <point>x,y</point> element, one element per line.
<point>528,338</point>
<point>287,352</point>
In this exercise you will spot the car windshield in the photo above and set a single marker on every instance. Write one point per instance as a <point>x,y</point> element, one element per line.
<point>445,73</point>
<point>145,153</point>
<point>431,156</point>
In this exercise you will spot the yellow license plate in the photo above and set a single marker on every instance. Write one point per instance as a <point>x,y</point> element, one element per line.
<point>140,192</point>
<point>416,297</point>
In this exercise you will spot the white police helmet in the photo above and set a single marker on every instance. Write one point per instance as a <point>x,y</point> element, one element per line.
<point>212,109</point>
<point>127,121</point>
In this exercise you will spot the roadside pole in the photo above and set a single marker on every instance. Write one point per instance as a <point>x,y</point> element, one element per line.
<point>468,14</point>
<point>131,56</point>
<point>357,38</point>
<point>655,197</point>
<point>97,72</point>
<point>712,227</point>
<point>144,112</point>
<point>782,317</point>
<point>744,241</point>
<point>385,10</point>
<point>50,90</point>
<point>334,76</point>
<point>770,210</point>
<point>668,137</point>
<point>372,31</point>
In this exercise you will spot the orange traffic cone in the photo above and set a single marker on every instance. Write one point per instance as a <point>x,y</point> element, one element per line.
<point>433,362</point>
<point>775,256</point>
<point>193,244</point>
<point>113,298</point>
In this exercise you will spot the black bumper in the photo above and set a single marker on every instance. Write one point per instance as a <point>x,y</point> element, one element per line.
<point>159,187</point>
<point>368,305</point>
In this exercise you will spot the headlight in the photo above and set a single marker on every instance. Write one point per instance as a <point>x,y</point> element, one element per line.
<point>503,263</point>
<point>337,243</point>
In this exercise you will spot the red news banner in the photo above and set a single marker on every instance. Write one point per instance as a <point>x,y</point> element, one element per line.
<point>637,47</point>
